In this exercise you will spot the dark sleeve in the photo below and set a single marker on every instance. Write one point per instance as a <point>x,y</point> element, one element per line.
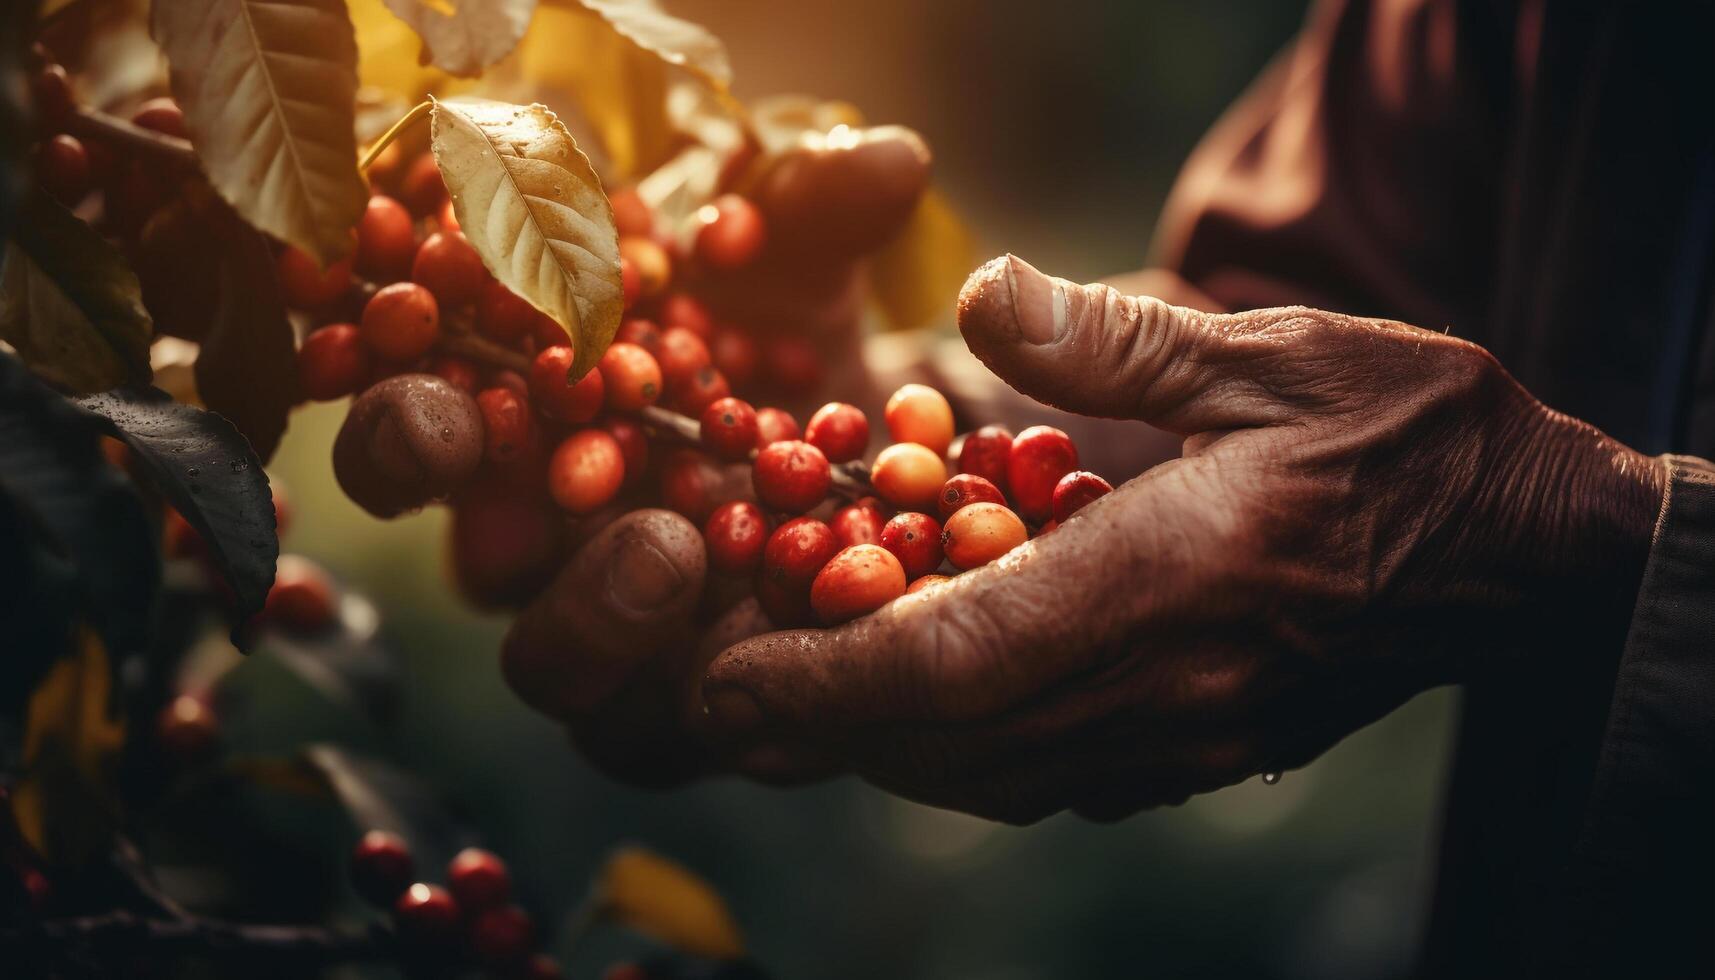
<point>1361,172</point>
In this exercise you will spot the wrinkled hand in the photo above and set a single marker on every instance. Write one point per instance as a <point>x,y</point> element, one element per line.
<point>1363,510</point>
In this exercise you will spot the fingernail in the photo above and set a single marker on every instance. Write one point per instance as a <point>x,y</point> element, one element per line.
<point>1038,302</point>
<point>640,579</point>
<point>732,709</point>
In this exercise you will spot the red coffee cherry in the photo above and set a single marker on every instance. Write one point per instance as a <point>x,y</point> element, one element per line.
<point>1040,456</point>
<point>1075,490</point>
<point>859,523</point>
<point>980,533</point>
<point>301,599</point>
<point>586,471</point>
<point>631,215</point>
<point>631,377</point>
<point>50,90</point>
<point>401,322</point>
<point>729,429</point>
<point>914,539</point>
<point>923,582</point>
<point>1045,528</point>
<point>449,267</point>
<point>690,481</point>
<point>682,355</point>
<point>458,372</point>
<point>736,533</point>
<point>703,389</point>
<point>652,264</point>
<point>566,402</point>
<point>685,310</point>
<point>422,189</point>
<point>505,539</point>
<point>920,414</point>
<point>447,218</point>
<point>503,378</point>
<point>162,115</point>
<point>797,550</point>
<point>334,363</point>
<point>633,445</point>
<point>386,239</point>
<point>305,285</point>
<point>381,867</point>
<point>908,475</point>
<point>188,730</point>
<point>985,453</point>
<point>508,317</point>
<point>506,424</point>
<point>966,488</point>
<point>62,169</point>
<point>839,430</point>
<point>502,936</point>
<point>427,917</point>
<point>775,425</point>
<point>857,581</point>
<point>478,879</point>
<point>791,476</point>
<point>794,366</point>
<point>630,283</point>
<point>732,235</point>
<point>643,333</point>
<point>735,355</point>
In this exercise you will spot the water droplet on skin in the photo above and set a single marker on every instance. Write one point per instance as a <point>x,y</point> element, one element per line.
<point>1271,778</point>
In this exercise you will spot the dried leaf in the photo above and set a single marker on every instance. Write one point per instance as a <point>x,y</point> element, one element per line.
<point>675,41</point>
<point>660,898</point>
<point>69,305</point>
<point>268,87</point>
<point>66,802</point>
<point>917,277</point>
<point>465,36</point>
<point>534,209</point>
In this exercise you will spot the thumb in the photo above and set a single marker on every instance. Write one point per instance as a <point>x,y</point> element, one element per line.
<point>1092,350</point>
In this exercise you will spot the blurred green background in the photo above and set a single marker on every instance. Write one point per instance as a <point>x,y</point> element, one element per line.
<point>1057,129</point>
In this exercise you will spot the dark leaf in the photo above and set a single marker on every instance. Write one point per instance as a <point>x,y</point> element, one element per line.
<point>210,474</point>
<point>347,664</point>
<point>14,109</point>
<point>38,590</point>
<point>80,506</point>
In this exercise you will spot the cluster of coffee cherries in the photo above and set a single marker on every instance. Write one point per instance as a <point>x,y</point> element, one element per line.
<point>471,917</point>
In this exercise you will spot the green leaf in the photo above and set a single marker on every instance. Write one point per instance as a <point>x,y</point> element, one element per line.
<point>268,89</point>
<point>534,209</point>
<point>209,473</point>
<point>69,305</point>
<point>465,36</point>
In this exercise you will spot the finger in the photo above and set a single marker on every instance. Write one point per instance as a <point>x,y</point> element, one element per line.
<point>623,599</point>
<point>843,194</point>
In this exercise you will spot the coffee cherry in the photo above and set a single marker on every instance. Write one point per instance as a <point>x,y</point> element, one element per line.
<point>386,239</point>
<point>62,169</point>
<point>736,533</point>
<point>735,355</point>
<point>630,284</point>
<point>630,376</point>
<point>839,430</point>
<point>966,488</point>
<point>732,235</point>
<point>1075,490</point>
<point>1040,456</point>
<point>301,599</point>
<point>422,189</point>
<point>797,550</point>
<point>554,396</point>
<point>690,482</point>
<point>786,606</point>
<point>407,440</point>
<point>908,475</point>
<point>728,428</point>
<point>504,540</point>
<point>162,115</point>
<point>334,362</point>
<point>703,389</point>
<point>914,539</point>
<point>447,218</point>
<point>652,264</point>
<point>506,424</point>
<point>631,215</point>
<point>188,730</point>
<point>381,867</point>
<point>980,533</point>
<point>401,322</point>
<point>858,523</point>
<point>643,333</point>
<point>456,371</point>
<point>985,453</point>
<point>506,316</point>
<point>794,366</point>
<point>501,936</point>
<point>923,582</point>
<point>791,476</point>
<point>478,879</point>
<point>503,378</point>
<point>685,310</point>
<point>857,581</point>
<point>920,414</point>
<point>543,967</point>
<point>682,355</point>
<point>775,425</point>
<point>427,917</point>
<point>586,471</point>
<point>633,445</point>
<point>50,90</point>
<point>305,285</point>
<point>449,267</point>
<point>1045,528</point>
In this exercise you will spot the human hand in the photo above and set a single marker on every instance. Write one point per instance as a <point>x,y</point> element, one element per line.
<point>1363,510</point>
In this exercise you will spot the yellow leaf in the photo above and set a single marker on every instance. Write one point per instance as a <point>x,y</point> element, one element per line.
<point>534,209</point>
<point>267,87</point>
<point>465,36</point>
<point>918,275</point>
<point>387,56</point>
<point>677,42</point>
<point>66,802</point>
<point>647,892</point>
